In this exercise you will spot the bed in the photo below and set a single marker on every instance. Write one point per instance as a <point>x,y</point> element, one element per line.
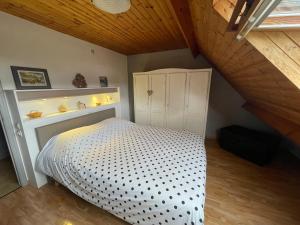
<point>142,174</point>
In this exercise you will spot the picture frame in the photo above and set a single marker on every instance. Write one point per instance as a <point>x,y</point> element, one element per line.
<point>30,78</point>
<point>103,81</point>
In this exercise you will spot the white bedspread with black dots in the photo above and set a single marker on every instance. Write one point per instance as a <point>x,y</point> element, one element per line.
<point>142,174</point>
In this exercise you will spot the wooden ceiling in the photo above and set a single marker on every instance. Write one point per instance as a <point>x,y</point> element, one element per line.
<point>148,26</point>
<point>263,68</point>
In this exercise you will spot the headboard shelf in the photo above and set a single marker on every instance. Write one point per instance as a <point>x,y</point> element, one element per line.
<point>28,95</point>
<point>56,117</point>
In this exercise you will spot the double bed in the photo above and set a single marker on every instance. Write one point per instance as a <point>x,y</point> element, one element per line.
<point>144,175</point>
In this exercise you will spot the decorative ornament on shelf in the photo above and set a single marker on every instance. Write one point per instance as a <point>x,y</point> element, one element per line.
<point>34,114</point>
<point>79,81</point>
<point>103,81</point>
<point>81,105</point>
<point>62,108</point>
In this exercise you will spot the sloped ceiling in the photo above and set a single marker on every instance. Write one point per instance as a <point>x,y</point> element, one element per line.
<point>264,68</point>
<point>148,26</point>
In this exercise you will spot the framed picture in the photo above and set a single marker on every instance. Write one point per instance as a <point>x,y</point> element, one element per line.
<point>103,81</point>
<point>30,78</point>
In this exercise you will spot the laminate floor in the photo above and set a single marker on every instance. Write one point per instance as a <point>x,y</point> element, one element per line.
<point>8,179</point>
<point>238,193</point>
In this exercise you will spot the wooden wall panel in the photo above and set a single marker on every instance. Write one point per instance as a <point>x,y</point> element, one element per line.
<point>264,69</point>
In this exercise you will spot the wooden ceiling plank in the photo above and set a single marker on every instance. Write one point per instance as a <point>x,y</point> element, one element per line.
<point>181,12</point>
<point>89,21</point>
<point>169,24</point>
<point>221,53</point>
<point>166,36</point>
<point>200,18</point>
<point>142,19</point>
<point>151,11</point>
<point>66,19</point>
<point>294,35</point>
<point>60,28</point>
<point>209,36</point>
<point>137,36</point>
<point>287,44</point>
<point>140,27</point>
<point>247,69</point>
<point>167,12</point>
<point>146,20</point>
<point>247,53</point>
<point>275,55</point>
<point>39,8</point>
<point>136,16</point>
<point>122,33</point>
<point>148,16</point>
<point>246,65</point>
<point>285,127</point>
<point>289,115</point>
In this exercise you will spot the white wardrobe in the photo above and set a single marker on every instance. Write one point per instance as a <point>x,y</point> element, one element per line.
<point>172,98</point>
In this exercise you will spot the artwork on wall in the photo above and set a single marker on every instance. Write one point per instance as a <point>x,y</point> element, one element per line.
<point>103,81</point>
<point>79,81</point>
<point>30,78</point>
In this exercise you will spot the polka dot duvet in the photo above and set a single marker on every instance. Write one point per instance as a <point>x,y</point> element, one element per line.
<point>142,174</point>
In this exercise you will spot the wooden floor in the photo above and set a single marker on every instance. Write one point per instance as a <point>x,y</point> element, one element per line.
<point>238,193</point>
<point>8,178</point>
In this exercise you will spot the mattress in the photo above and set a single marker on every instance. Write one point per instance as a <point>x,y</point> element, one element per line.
<point>142,174</point>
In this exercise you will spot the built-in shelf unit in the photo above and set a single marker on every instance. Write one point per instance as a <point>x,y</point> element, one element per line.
<point>48,101</point>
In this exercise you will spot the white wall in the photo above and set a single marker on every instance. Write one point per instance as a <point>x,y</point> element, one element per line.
<point>225,103</point>
<point>23,43</point>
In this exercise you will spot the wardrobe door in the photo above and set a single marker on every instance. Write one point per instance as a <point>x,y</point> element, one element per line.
<point>157,100</point>
<point>175,100</point>
<point>197,92</point>
<point>141,99</point>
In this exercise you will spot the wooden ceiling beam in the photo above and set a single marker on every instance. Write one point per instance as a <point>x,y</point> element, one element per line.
<point>181,12</point>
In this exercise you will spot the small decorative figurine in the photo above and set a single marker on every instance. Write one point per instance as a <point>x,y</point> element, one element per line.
<point>79,81</point>
<point>62,108</point>
<point>81,105</point>
<point>34,114</point>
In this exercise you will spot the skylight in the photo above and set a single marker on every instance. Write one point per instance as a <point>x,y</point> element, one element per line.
<point>285,15</point>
